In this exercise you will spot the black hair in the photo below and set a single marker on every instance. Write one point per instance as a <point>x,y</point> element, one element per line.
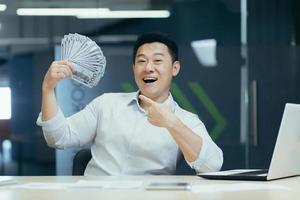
<point>157,37</point>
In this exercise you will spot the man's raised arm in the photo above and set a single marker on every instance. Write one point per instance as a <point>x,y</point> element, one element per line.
<point>57,71</point>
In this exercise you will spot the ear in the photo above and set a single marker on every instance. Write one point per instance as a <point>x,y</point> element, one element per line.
<point>176,68</point>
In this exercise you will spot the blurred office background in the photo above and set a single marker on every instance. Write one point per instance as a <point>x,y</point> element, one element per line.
<point>240,65</point>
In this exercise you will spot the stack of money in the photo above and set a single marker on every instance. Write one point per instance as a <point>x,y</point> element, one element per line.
<point>86,56</point>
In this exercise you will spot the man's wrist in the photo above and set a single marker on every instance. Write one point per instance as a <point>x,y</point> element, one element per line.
<point>173,123</point>
<point>46,89</point>
<point>46,92</point>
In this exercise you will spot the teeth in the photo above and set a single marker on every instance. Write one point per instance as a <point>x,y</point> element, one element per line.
<point>149,78</point>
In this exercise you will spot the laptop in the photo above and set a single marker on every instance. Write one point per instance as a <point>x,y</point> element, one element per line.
<point>286,155</point>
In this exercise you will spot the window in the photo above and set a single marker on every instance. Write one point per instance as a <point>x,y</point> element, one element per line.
<point>5,103</point>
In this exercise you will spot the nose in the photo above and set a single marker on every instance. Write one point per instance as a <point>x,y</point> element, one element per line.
<point>149,67</point>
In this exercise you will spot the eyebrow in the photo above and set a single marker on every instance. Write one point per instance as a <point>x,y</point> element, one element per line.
<point>155,54</point>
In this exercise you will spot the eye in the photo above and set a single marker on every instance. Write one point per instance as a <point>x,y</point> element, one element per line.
<point>141,61</point>
<point>158,61</point>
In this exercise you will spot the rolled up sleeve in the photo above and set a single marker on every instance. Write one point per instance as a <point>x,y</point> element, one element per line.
<point>74,131</point>
<point>210,157</point>
<point>53,128</point>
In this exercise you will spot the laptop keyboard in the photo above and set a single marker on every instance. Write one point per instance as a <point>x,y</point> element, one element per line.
<point>251,173</point>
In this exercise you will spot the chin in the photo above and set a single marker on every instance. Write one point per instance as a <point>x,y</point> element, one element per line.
<point>149,94</point>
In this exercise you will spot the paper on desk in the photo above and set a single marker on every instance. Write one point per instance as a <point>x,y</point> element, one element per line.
<point>44,186</point>
<point>7,181</point>
<point>109,184</point>
<point>236,187</point>
<point>81,184</point>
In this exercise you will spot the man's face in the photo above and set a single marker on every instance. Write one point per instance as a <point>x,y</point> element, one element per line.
<point>153,70</point>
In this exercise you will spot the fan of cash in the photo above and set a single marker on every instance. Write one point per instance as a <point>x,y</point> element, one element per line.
<point>86,56</point>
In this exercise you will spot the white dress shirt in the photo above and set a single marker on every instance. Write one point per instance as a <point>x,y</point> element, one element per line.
<point>123,141</point>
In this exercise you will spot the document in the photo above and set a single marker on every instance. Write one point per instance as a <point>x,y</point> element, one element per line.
<point>232,187</point>
<point>109,184</point>
<point>44,186</point>
<point>7,181</point>
<point>81,184</point>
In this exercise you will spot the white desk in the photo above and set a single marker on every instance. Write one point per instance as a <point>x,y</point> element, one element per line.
<point>8,193</point>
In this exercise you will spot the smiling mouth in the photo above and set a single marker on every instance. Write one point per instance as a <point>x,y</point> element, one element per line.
<point>149,80</point>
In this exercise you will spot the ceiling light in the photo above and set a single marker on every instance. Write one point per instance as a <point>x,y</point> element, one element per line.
<point>127,14</point>
<point>3,7</point>
<point>59,11</point>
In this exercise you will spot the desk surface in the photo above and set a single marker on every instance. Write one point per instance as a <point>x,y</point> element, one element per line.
<point>292,190</point>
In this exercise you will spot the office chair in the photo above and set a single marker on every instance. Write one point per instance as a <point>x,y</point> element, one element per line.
<point>80,161</point>
<point>83,156</point>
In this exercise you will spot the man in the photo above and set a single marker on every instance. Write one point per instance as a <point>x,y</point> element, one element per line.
<point>133,133</point>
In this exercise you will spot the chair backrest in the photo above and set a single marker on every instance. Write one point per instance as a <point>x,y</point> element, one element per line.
<point>182,168</point>
<point>80,161</point>
<point>5,128</point>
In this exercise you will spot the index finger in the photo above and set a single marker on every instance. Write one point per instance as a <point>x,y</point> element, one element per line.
<point>146,100</point>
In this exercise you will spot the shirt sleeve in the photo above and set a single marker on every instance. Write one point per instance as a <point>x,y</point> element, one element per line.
<point>210,157</point>
<point>74,131</point>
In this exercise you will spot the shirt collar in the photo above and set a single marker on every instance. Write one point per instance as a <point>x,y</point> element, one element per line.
<point>134,99</point>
